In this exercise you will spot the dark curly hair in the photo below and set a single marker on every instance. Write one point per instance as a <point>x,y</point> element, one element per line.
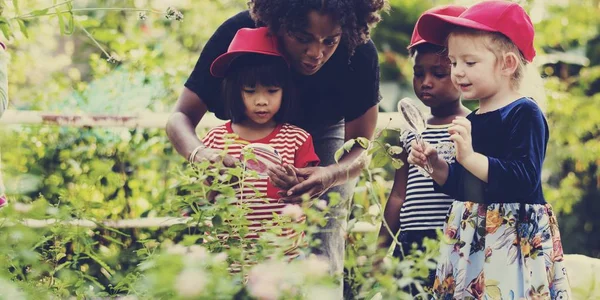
<point>356,17</point>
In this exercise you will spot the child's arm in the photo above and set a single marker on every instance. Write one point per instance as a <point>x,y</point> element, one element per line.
<point>518,173</point>
<point>391,213</point>
<point>476,163</point>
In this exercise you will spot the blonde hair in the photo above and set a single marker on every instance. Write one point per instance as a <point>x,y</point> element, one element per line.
<point>526,79</point>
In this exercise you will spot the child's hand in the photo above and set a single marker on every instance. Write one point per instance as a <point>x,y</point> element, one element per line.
<point>460,134</point>
<point>419,155</point>
<point>283,177</point>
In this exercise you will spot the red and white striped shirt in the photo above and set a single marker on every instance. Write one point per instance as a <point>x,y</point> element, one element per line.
<point>295,147</point>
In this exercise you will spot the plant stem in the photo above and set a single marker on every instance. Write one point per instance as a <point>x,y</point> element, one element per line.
<point>29,15</point>
<point>95,42</point>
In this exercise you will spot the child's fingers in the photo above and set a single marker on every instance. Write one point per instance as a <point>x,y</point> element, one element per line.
<point>458,129</point>
<point>458,139</point>
<point>277,178</point>
<point>416,159</point>
<point>462,121</point>
<point>430,151</point>
<point>290,170</point>
<point>415,146</point>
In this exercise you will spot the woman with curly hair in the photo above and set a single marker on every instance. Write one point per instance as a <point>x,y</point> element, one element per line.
<point>336,72</point>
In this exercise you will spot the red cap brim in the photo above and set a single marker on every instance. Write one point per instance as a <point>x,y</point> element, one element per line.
<point>220,65</point>
<point>435,28</point>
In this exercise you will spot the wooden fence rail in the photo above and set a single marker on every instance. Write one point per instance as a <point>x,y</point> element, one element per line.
<point>141,120</point>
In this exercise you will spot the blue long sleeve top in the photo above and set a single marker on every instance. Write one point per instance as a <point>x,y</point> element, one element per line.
<point>514,138</point>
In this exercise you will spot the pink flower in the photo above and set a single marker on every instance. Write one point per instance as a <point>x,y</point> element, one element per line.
<point>557,254</point>
<point>477,286</point>
<point>451,232</point>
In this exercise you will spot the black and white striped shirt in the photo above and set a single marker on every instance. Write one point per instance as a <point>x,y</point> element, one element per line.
<point>423,208</point>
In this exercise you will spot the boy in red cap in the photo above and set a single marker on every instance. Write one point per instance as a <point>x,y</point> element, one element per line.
<point>258,97</point>
<point>501,238</point>
<point>413,207</point>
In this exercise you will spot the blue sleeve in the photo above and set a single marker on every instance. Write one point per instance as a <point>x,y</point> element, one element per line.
<point>453,186</point>
<point>518,174</point>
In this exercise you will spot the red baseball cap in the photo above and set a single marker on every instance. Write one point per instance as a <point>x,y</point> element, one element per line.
<point>447,10</point>
<point>504,17</point>
<point>246,40</point>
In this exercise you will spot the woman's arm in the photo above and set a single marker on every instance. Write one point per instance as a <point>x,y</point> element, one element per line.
<point>320,179</point>
<point>181,126</point>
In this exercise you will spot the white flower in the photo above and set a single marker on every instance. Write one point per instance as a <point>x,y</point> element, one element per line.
<point>387,263</point>
<point>361,260</point>
<point>293,211</point>
<point>177,250</point>
<point>264,291</point>
<point>53,211</point>
<point>316,266</point>
<point>197,254</point>
<point>265,279</point>
<point>321,204</point>
<point>190,283</point>
<point>321,292</point>
<point>9,290</point>
<point>374,210</point>
<point>221,257</point>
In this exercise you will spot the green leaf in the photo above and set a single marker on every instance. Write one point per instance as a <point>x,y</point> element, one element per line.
<point>375,146</point>
<point>380,159</point>
<point>493,292</point>
<point>189,240</point>
<point>61,266</point>
<point>338,154</point>
<point>101,263</point>
<point>217,220</point>
<point>39,12</point>
<point>363,142</point>
<point>349,144</point>
<point>23,27</point>
<point>16,6</point>
<point>61,22</point>
<point>70,27</point>
<point>5,27</point>
<point>396,163</point>
<point>394,150</point>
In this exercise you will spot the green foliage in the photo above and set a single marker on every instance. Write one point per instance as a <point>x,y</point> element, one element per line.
<point>112,174</point>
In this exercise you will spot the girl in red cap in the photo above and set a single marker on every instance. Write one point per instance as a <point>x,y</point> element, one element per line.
<point>501,238</point>
<point>413,207</point>
<point>259,100</point>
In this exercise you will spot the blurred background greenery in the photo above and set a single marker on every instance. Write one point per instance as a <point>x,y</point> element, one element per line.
<point>107,173</point>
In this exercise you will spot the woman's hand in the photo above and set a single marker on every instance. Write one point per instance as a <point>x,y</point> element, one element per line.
<point>317,180</point>
<point>215,156</point>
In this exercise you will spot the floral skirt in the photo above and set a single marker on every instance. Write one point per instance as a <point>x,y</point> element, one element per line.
<point>493,252</point>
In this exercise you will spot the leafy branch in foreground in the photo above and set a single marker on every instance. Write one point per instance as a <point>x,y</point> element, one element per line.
<point>65,13</point>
